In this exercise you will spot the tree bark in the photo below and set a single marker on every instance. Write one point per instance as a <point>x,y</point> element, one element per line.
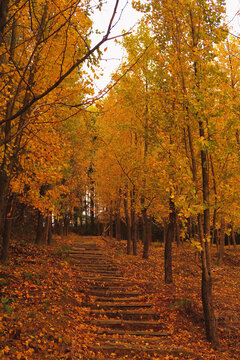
<point>207,301</point>
<point>40,228</point>
<point>118,217</point>
<point>128,223</point>
<point>111,223</point>
<point>233,237</point>
<point>133,223</point>
<point>147,224</point>
<point>49,238</point>
<point>221,242</point>
<point>7,229</point>
<point>3,17</point>
<point>168,244</point>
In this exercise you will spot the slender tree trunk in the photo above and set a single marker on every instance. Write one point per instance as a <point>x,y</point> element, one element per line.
<point>118,218</point>
<point>128,223</point>
<point>133,223</point>
<point>111,223</point>
<point>7,229</point>
<point>221,242</point>
<point>207,300</point>
<point>6,168</point>
<point>233,237</point>
<point>46,229</point>
<point>165,227</point>
<point>177,237</point>
<point>168,244</point>
<point>147,225</point>
<point>66,225</point>
<point>40,228</point>
<point>3,18</point>
<point>86,213</point>
<point>209,316</point>
<point>92,206</point>
<point>49,238</point>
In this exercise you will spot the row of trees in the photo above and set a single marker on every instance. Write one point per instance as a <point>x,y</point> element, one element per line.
<point>167,135</point>
<point>163,146</point>
<point>45,150</point>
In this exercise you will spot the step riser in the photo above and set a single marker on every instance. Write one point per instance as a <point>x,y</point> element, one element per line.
<point>115,306</point>
<point>106,295</point>
<point>127,317</point>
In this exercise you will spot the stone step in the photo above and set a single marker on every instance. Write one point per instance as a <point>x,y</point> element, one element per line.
<point>136,333</point>
<point>83,255</point>
<point>127,324</point>
<point>126,315</point>
<point>112,287</point>
<point>93,263</point>
<point>86,253</point>
<point>99,266</point>
<point>126,349</point>
<point>101,278</point>
<point>100,272</point>
<point>117,299</point>
<point>143,340</point>
<point>115,305</point>
<point>114,294</point>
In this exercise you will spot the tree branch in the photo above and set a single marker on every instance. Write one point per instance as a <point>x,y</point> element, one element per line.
<point>67,73</point>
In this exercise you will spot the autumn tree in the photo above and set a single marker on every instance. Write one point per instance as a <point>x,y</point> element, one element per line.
<point>42,48</point>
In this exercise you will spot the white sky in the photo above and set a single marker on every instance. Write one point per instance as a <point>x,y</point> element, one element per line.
<point>128,19</point>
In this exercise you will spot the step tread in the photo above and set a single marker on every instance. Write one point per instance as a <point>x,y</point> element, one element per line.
<point>134,333</point>
<point>124,322</point>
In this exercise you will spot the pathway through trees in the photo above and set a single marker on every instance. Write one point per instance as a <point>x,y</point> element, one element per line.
<point>123,319</point>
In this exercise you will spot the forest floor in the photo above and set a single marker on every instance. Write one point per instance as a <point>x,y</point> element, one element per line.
<point>41,316</point>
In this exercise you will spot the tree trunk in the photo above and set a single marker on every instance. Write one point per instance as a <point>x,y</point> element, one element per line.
<point>221,242</point>
<point>3,18</point>
<point>165,227</point>
<point>168,244</point>
<point>40,229</point>
<point>177,237</point>
<point>66,225</point>
<point>133,223</point>
<point>118,220</point>
<point>207,300</point>
<point>147,224</point>
<point>49,238</point>
<point>233,237</point>
<point>92,206</point>
<point>209,316</point>
<point>110,223</point>
<point>7,229</point>
<point>128,223</point>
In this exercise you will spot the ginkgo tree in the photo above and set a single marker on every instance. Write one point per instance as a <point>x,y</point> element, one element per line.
<point>42,48</point>
<point>173,98</point>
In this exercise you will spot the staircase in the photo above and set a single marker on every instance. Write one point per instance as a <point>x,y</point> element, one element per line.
<point>125,322</point>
